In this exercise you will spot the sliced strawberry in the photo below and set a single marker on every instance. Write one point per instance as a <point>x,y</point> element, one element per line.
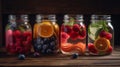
<point>91,48</point>
<point>74,35</point>
<point>76,28</point>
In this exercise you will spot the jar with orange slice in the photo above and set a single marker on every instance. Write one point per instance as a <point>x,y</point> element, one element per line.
<point>73,35</point>
<point>45,35</point>
<point>100,35</point>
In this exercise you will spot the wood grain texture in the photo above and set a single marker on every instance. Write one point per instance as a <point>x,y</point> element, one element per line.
<point>64,61</point>
<point>61,6</point>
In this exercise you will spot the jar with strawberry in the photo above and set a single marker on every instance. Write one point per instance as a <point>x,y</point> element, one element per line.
<point>100,35</point>
<point>18,36</point>
<point>46,35</point>
<point>73,35</point>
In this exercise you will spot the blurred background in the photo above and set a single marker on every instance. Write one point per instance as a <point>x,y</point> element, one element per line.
<point>85,7</point>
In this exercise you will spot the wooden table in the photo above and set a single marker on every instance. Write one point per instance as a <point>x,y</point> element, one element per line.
<point>63,61</point>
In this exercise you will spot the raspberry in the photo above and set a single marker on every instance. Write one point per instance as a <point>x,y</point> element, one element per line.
<point>105,34</point>
<point>76,28</point>
<point>74,35</point>
<point>17,34</point>
<point>91,48</point>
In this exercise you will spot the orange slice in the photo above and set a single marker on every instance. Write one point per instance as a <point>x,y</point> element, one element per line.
<point>102,44</point>
<point>45,29</point>
<point>67,47</point>
<point>80,47</point>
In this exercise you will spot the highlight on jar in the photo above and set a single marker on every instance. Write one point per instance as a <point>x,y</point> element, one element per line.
<point>18,35</point>
<point>46,35</point>
<point>73,35</point>
<point>100,35</point>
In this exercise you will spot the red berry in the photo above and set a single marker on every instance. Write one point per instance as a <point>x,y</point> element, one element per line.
<point>67,29</point>
<point>29,38</point>
<point>17,34</point>
<point>105,34</point>
<point>110,49</point>
<point>108,36</point>
<point>19,49</point>
<point>82,33</point>
<point>64,37</point>
<point>91,48</point>
<point>27,33</point>
<point>74,35</point>
<point>76,28</point>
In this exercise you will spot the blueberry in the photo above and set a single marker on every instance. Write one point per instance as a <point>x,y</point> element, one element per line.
<point>21,57</point>
<point>36,54</point>
<point>39,47</point>
<point>53,38</point>
<point>48,51</point>
<point>45,46</point>
<point>52,43</point>
<point>38,40</point>
<point>74,56</point>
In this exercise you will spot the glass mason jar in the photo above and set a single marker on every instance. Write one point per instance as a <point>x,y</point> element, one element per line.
<point>73,35</point>
<point>46,35</point>
<point>100,35</point>
<point>18,36</point>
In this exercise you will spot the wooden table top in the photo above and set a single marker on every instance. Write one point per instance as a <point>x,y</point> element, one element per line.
<point>61,60</point>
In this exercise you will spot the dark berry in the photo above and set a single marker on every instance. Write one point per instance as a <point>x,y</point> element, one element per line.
<point>45,46</point>
<point>49,51</point>
<point>21,57</point>
<point>36,54</point>
<point>74,56</point>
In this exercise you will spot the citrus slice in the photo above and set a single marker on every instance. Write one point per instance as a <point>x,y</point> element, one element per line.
<point>102,44</point>
<point>45,29</point>
<point>80,47</point>
<point>67,47</point>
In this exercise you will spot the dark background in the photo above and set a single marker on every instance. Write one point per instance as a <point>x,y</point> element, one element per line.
<point>85,7</point>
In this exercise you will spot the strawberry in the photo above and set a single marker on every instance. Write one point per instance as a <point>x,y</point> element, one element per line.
<point>76,28</point>
<point>67,29</point>
<point>91,48</point>
<point>110,49</point>
<point>74,35</point>
<point>64,37</point>
<point>105,34</point>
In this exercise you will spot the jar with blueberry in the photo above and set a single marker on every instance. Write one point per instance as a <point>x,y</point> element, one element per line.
<point>73,35</point>
<point>18,36</point>
<point>46,35</point>
<point>100,35</point>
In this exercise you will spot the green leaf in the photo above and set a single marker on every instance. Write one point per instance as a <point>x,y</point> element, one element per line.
<point>97,33</point>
